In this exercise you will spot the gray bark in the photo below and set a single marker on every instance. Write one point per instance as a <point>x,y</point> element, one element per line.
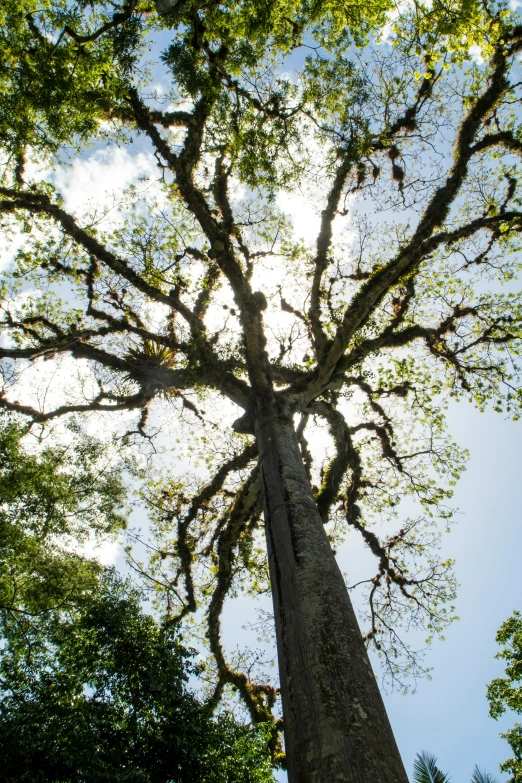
<point>335,723</point>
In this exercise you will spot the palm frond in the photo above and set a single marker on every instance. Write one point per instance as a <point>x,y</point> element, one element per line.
<point>425,769</point>
<point>482,777</point>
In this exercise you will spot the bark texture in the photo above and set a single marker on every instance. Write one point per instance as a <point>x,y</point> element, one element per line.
<point>336,727</point>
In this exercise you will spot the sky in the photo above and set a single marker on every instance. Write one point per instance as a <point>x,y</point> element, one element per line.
<point>448,714</point>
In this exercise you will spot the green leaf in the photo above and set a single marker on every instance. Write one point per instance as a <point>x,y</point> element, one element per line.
<point>425,769</point>
<point>482,777</point>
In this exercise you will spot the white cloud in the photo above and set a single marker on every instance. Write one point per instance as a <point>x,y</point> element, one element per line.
<point>105,552</point>
<point>46,384</point>
<point>10,248</point>
<point>155,314</point>
<point>100,179</point>
<point>237,190</point>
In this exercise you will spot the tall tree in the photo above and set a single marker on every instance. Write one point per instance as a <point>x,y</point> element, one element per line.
<point>201,292</point>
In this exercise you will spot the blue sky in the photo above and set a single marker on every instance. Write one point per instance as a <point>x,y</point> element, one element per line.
<point>449,714</point>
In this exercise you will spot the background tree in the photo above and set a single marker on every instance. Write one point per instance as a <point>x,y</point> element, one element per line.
<point>506,692</point>
<point>201,293</point>
<point>98,691</point>
<point>91,687</point>
<point>54,501</point>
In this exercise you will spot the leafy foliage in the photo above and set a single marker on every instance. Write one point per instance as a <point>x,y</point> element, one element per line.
<point>482,777</point>
<point>91,687</point>
<point>506,692</point>
<point>425,769</point>
<point>98,691</point>
<point>58,75</point>
<point>53,499</point>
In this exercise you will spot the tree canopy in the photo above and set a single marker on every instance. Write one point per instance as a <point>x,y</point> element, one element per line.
<point>99,692</point>
<point>505,693</point>
<point>403,126</point>
<point>93,688</point>
<point>54,500</point>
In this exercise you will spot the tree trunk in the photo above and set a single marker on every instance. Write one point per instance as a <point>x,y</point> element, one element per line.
<point>336,727</point>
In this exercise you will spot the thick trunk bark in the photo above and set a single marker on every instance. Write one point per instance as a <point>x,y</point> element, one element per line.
<point>336,727</point>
